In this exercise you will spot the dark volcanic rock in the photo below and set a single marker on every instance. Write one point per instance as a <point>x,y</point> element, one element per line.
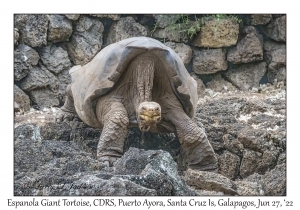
<point>21,98</point>
<point>55,59</point>
<point>276,30</point>
<point>41,86</point>
<point>248,135</point>
<point>39,77</point>
<point>273,182</point>
<point>24,58</point>
<point>175,33</point>
<point>165,20</point>
<point>60,28</point>
<point>86,40</point>
<point>51,167</point>
<point>246,188</point>
<point>209,61</point>
<point>250,129</point>
<point>32,29</point>
<point>246,76</point>
<point>218,84</point>
<point>229,165</point>
<point>204,180</point>
<point>152,169</point>
<point>125,28</point>
<point>276,59</point>
<point>44,97</point>
<point>248,49</point>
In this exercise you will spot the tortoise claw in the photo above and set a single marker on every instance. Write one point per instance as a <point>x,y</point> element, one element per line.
<point>108,161</point>
<point>63,116</point>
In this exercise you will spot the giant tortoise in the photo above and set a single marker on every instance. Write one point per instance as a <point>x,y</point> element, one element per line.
<point>143,83</point>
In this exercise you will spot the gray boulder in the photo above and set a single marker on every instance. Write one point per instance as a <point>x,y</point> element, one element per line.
<point>21,98</point>
<point>174,33</point>
<point>229,165</point>
<point>184,51</point>
<point>260,19</point>
<point>42,86</point>
<point>154,169</point>
<point>232,144</point>
<point>86,40</point>
<point>55,59</point>
<point>216,33</point>
<point>200,85</point>
<point>32,29</point>
<point>203,180</point>
<point>276,29</point>
<point>246,188</point>
<point>248,49</point>
<point>44,97</point>
<point>257,162</point>
<point>246,76</point>
<point>209,61</point>
<point>125,28</point>
<point>24,58</point>
<point>39,77</point>
<point>276,59</point>
<point>60,28</point>
<point>163,21</point>
<point>273,182</point>
<point>218,84</point>
<point>51,167</point>
<point>72,16</point>
<point>250,162</point>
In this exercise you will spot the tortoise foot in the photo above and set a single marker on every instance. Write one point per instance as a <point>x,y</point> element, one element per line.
<point>108,161</point>
<point>65,116</point>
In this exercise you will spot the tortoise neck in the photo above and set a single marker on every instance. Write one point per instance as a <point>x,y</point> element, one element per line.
<point>144,69</point>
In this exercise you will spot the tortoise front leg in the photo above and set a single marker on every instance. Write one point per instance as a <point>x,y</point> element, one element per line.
<point>115,120</point>
<point>195,146</point>
<point>67,112</point>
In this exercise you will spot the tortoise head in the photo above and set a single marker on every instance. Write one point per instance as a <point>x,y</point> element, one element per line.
<point>149,115</point>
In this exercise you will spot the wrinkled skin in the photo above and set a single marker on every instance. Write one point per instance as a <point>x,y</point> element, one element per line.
<point>143,97</point>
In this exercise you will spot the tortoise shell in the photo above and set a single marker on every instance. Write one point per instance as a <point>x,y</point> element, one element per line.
<point>96,78</point>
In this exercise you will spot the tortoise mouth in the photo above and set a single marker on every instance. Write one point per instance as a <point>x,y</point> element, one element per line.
<point>149,115</point>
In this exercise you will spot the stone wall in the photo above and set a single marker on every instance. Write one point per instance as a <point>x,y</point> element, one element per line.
<point>240,50</point>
